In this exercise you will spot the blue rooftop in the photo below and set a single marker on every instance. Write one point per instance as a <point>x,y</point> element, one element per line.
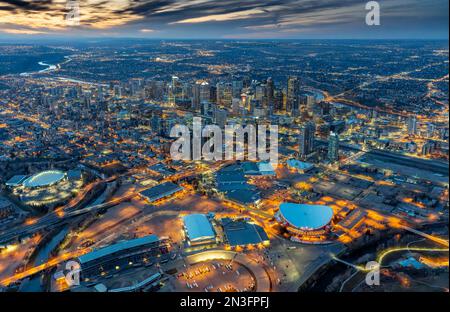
<point>294,163</point>
<point>198,227</point>
<point>243,196</point>
<point>308,217</point>
<point>241,232</point>
<point>44,178</point>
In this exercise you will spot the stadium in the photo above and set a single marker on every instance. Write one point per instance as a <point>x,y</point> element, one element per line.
<point>50,187</point>
<point>306,223</point>
<point>44,179</point>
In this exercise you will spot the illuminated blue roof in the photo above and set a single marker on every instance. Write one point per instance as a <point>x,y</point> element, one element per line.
<point>198,227</point>
<point>300,165</point>
<point>306,217</point>
<point>266,168</point>
<point>44,178</point>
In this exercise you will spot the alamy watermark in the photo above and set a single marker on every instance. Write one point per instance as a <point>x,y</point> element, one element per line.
<point>237,143</point>
<point>373,274</point>
<point>373,16</point>
<point>72,16</point>
<point>72,273</point>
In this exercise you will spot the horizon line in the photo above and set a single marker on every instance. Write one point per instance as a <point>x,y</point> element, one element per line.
<point>57,37</point>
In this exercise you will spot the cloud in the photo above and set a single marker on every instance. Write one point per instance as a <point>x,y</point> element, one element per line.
<point>22,31</point>
<point>222,18</point>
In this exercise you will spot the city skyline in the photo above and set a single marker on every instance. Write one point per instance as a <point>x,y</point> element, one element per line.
<point>109,181</point>
<point>205,146</point>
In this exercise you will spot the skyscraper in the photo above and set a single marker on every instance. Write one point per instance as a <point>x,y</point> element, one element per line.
<point>224,94</point>
<point>237,86</point>
<point>270,89</point>
<point>412,125</point>
<point>333,147</point>
<point>205,92</point>
<point>310,102</point>
<point>306,144</point>
<point>278,100</point>
<point>293,91</point>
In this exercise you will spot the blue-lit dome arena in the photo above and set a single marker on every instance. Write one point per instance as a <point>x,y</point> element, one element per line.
<point>50,187</point>
<point>305,217</point>
<point>44,178</point>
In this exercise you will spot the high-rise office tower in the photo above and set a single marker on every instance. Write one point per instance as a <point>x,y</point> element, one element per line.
<point>412,125</point>
<point>310,102</point>
<point>174,90</point>
<point>205,92</point>
<point>278,100</point>
<point>270,88</point>
<point>306,138</point>
<point>237,86</point>
<point>224,94</point>
<point>196,97</point>
<point>333,147</point>
<point>293,90</point>
<point>431,128</point>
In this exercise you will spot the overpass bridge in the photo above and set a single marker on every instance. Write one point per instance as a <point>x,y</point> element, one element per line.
<point>435,239</point>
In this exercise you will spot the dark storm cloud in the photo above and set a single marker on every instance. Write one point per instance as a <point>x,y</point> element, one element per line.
<point>35,5</point>
<point>168,11</point>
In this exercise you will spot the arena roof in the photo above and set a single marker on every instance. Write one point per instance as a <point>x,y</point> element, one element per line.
<point>198,227</point>
<point>121,246</point>
<point>44,178</point>
<point>306,217</point>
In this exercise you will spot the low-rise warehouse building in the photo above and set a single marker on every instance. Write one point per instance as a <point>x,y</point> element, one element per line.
<point>125,254</point>
<point>198,230</point>
<point>160,191</point>
<point>242,233</point>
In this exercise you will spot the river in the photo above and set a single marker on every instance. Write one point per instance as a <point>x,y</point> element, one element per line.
<point>34,284</point>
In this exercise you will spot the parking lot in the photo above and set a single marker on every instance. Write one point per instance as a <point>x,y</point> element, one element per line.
<point>214,276</point>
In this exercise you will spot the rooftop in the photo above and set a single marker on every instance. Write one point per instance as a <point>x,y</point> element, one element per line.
<point>121,246</point>
<point>307,217</point>
<point>44,178</point>
<point>266,168</point>
<point>161,190</point>
<point>16,180</point>
<point>300,165</point>
<point>243,196</point>
<point>231,177</point>
<point>198,227</point>
<point>241,232</point>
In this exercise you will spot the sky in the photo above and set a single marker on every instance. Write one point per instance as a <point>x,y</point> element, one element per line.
<point>223,19</point>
